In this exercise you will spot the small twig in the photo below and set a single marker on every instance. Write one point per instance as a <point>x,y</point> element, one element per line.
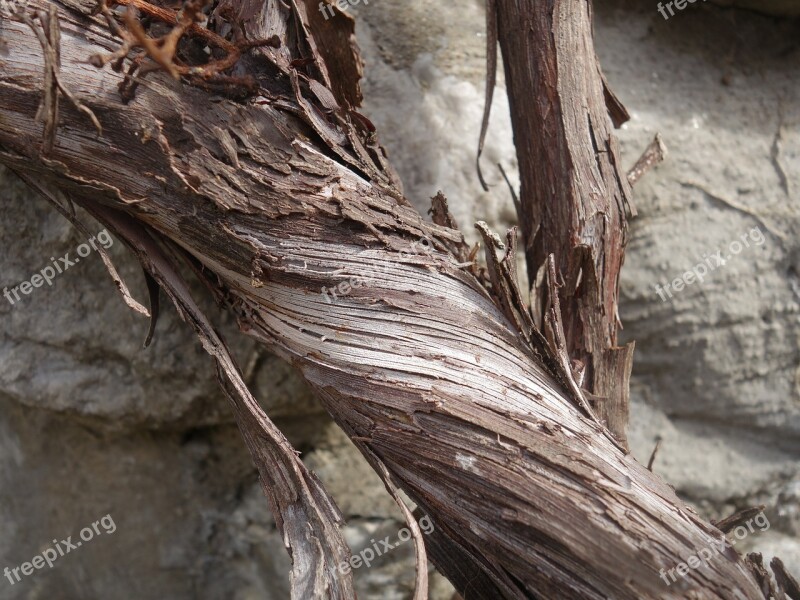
<point>514,195</point>
<point>775,155</point>
<point>735,206</point>
<point>491,80</point>
<point>653,455</point>
<point>162,50</point>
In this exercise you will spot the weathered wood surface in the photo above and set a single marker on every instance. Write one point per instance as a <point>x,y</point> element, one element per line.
<point>285,195</point>
<point>574,195</point>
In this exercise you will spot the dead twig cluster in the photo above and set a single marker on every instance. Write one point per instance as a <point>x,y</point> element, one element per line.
<point>161,52</point>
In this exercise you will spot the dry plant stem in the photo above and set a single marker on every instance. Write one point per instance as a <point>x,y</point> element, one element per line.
<point>170,17</point>
<point>653,455</point>
<point>282,201</point>
<point>574,195</point>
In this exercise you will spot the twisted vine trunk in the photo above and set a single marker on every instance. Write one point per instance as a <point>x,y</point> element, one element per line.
<point>286,204</point>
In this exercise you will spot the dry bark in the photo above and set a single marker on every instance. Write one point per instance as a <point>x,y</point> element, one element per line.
<point>574,194</point>
<point>266,179</point>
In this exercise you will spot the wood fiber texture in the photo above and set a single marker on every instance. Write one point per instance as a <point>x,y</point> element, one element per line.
<point>279,196</point>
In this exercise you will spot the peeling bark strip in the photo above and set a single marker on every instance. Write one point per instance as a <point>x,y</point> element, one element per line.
<point>304,513</point>
<point>574,194</point>
<point>286,192</point>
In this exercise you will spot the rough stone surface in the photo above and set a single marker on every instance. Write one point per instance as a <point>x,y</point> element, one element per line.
<point>716,365</point>
<point>91,424</point>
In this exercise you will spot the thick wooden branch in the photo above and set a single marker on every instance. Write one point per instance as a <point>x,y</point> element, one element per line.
<point>288,204</point>
<point>574,194</point>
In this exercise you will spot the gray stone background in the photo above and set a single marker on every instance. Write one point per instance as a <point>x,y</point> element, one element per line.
<point>91,424</point>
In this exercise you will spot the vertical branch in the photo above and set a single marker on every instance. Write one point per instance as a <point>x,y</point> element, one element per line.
<point>574,195</point>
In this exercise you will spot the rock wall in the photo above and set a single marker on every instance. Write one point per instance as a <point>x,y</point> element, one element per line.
<point>92,425</point>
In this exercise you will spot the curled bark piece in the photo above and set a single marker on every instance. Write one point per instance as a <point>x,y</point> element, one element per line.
<point>69,214</point>
<point>421,558</point>
<point>655,153</point>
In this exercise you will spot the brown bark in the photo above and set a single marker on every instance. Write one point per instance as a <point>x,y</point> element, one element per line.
<point>574,192</point>
<point>279,196</point>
